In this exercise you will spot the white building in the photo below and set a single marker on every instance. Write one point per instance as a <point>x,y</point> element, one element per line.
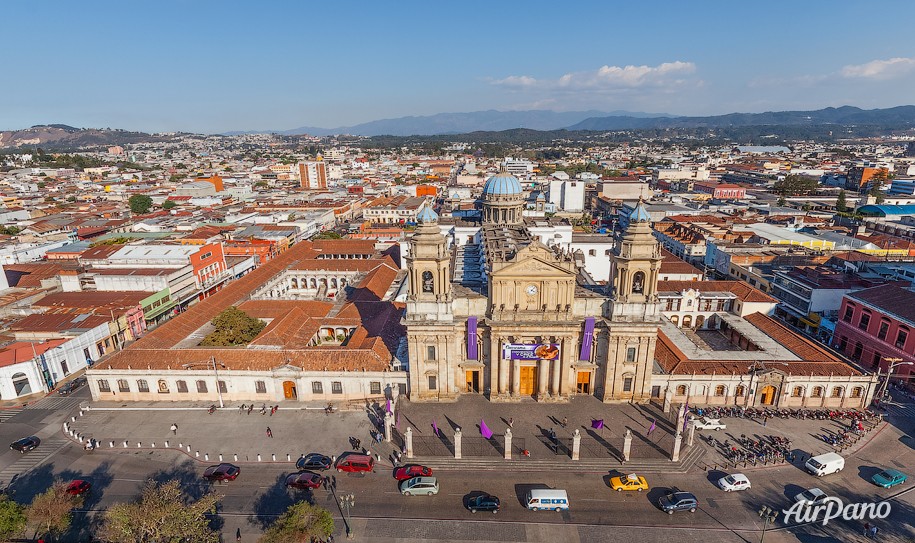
<point>567,196</point>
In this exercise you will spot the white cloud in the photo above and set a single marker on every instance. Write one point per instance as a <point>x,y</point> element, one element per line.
<point>880,69</point>
<point>607,78</point>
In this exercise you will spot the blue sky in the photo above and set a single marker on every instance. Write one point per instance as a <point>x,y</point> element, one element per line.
<point>210,66</point>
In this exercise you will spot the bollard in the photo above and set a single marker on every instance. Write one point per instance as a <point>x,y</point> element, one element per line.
<point>198,454</point>
<point>206,456</point>
<point>153,444</point>
<point>235,457</point>
<point>125,443</point>
<point>220,457</point>
<point>180,445</point>
<point>67,426</point>
<point>111,444</point>
<point>188,448</point>
<point>508,444</point>
<point>576,444</point>
<point>457,444</point>
<point>273,457</point>
<point>80,438</point>
<point>288,458</point>
<point>258,458</point>
<point>166,444</point>
<point>139,444</point>
<point>72,419</point>
<point>627,445</point>
<point>408,438</point>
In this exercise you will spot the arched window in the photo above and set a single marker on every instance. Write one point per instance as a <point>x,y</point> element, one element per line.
<point>797,392</point>
<point>21,384</point>
<point>699,320</point>
<point>720,390</point>
<point>836,392</point>
<point>817,392</point>
<point>675,320</point>
<point>313,283</point>
<point>295,283</point>
<point>687,321</point>
<point>428,285</point>
<point>681,390</point>
<point>857,392</point>
<point>740,391</point>
<point>333,282</point>
<point>638,283</point>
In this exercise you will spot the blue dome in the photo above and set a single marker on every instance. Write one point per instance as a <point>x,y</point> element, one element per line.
<point>502,184</point>
<point>427,216</point>
<point>640,214</point>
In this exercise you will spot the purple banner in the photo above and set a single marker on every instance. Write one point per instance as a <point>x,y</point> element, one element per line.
<point>524,351</point>
<point>484,430</point>
<point>472,338</point>
<point>586,339</point>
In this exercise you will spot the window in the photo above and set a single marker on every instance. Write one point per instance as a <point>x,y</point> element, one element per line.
<point>797,392</point>
<point>836,392</point>
<point>181,386</point>
<point>627,384</point>
<point>222,387</point>
<point>877,357</point>
<point>142,385</point>
<point>87,354</point>
<point>375,387</point>
<point>740,391</point>
<point>103,385</point>
<point>901,336</point>
<point>260,387</point>
<point>856,354</point>
<point>430,352</point>
<point>592,252</point>
<point>720,390</point>
<point>336,387</point>
<point>865,321</point>
<point>849,311</point>
<point>843,343</point>
<point>123,385</point>
<point>883,330</point>
<point>630,354</point>
<point>856,392</point>
<point>427,284</point>
<point>681,390</point>
<point>317,387</point>
<point>432,382</point>
<point>201,386</point>
<point>817,392</point>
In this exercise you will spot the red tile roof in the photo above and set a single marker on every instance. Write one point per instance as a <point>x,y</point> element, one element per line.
<point>743,291</point>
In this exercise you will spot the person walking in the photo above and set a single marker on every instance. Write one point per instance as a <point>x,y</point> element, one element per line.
<point>511,422</point>
<point>867,529</point>
<point>874,531</point>
<point>565,422</point>
<point>238,534</point>
<point>250,408</point>
<point>269,433</point>
<point>174,429</point>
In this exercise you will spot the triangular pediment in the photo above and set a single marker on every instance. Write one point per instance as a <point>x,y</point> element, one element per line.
<point>533,266</point>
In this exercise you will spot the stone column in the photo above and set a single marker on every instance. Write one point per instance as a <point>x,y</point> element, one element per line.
<point>668,397</point>
<point>576,444</point>
<point>494,356</point>
<point>516,378</point>
<point>691,435</point>
<point>508,443</point>
<point>408,438</point>
<point>554,379</point>
<point>388,424</point>
<point>543,377</point>
<point>503,375</point>
<point>457,444</point>
<point>627,445</point>
<point>675,456</point>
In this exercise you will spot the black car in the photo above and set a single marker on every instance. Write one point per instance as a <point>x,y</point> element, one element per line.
<point>222,472</point>
<point>313,461</point>
<point>71,386</point>
<point>25,444</point>
<point>485,502</point>
<point>678,501</point>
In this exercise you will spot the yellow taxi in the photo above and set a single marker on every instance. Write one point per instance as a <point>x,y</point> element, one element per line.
<point>628,482</point>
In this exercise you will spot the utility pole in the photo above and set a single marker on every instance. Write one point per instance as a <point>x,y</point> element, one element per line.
<point>218,391</point>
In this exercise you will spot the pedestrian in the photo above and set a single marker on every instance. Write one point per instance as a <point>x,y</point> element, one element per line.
<point>565,421</point>
<point>250,408</point>
<point>874,531</point>
<point>511,422</point>
<point>174,429</point>
<point>241,409</point>
<point>272,410</point>
<point>269,432</point>
<point>765,420</point>
<point>238,534</point>
<point>867,529</point>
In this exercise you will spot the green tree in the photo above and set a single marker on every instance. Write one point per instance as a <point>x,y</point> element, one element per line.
<point>163,514</point>
<point>233,327</point>
<point>140,204</point>
<point>301,523</point>
<point>168,204</point>
<point>781,201</point>
<point>50,512</point>
<point>328,234</point>
<point>12,518</point>
<point>796,185</point>
<point>841,204</point>
<point>10,230</point>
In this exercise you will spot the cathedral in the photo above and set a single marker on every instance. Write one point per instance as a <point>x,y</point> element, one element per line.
<point>512,318</point>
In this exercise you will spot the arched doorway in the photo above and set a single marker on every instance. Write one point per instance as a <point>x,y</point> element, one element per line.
<point>289,391</point>
<point>21,384</point>
<point>767,396</point>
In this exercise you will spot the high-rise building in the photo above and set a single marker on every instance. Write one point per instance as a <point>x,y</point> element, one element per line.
<point>312,175</point>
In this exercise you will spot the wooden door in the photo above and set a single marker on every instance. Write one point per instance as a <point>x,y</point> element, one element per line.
<point>768,395</point>
<point>528,380</point>
<point>472,377</point>
<point>584,382</point>
<point>289,391</point>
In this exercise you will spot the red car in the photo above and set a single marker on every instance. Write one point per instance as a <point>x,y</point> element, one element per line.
<point>304,480</point>
<point>78,487</point>
<point>408,472</point>
<point>222,472</point>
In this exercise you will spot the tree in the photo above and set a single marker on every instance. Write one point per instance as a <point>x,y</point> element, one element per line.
<point>796,185</point>
<point>12,517</point>
<point>49,514</point>
<point>140,204</point>
<point>163,514</point>
<point>841,204</point>
<point>168,204</point>
<point>781,201</point>
<point>301,523</point>
<point>233,327</point>
<point>328,234</point>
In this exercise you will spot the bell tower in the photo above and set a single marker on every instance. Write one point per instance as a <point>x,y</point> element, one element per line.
<point>633,313</point>
<point>429,271</point>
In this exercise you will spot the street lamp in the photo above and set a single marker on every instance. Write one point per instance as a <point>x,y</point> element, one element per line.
<point>889,372</point>
<point>215,372</point>
<point>347,501</point>
<point>768,515</point>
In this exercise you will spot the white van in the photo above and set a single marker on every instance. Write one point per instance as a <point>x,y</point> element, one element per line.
<point>547,498</point>
<point>824,464</point>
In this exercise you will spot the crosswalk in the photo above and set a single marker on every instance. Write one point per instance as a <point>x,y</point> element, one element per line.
<point>57,403</point>
<point>33,458</point>
<point>905,410</point>
<point>7,414</point>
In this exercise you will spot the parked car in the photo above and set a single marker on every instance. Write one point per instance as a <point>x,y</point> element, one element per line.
<point>408,472</point>
<point>222,472</point>
<point>418,486</point>
<point>71,386</point>
<point>678,501</point>
<point>811,496</point>
<point>735,481</point>
<point>629,482</point>
<point>353,462</point>
<point>485,502</point>
<point>304,480</point>
<point>314,461</point>
<point>78,487</point>
<point>25,444</point>
<point>706,423</point>
<point>889,478</point>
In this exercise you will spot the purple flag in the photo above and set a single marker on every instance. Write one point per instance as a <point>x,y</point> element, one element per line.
<point>388,409</point>
<point>652,427</point>
<point>597,424</point>
<point>484,430</point>
<point>435,427</point>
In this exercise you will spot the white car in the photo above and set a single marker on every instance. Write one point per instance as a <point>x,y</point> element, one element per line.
<point>736,481</point>
<point>811,496</point>
<point>708,424</point>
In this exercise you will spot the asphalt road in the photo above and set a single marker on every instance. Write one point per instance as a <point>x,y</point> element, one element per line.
<point>381,514</point>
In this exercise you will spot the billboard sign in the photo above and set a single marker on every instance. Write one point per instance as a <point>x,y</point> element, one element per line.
<point>527,351</point>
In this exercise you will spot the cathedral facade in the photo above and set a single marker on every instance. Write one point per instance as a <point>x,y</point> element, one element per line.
<point>512,318</point>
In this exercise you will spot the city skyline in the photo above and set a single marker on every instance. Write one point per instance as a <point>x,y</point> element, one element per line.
<point>216,67</point>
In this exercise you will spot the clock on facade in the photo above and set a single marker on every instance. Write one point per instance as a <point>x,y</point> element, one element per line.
<point>531,290</point>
